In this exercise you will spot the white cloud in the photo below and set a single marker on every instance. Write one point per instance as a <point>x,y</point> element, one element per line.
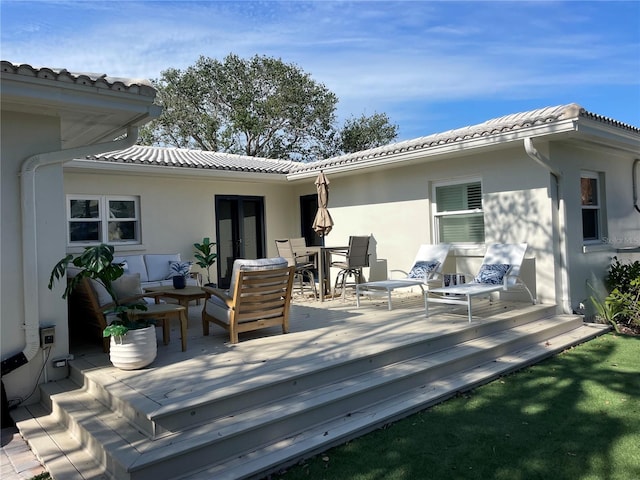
<point>376,56</point>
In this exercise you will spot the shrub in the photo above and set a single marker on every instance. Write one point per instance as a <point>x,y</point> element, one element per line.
<point>620,275</point>
<point>622,305</point>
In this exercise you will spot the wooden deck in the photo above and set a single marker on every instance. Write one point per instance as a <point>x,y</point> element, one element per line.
<point>220,397</point>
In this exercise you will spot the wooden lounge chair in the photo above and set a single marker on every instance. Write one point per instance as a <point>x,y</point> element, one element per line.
<point>500,270</point>
<point>90,301</point>
<point>259,297</point>
<point>426,270</point>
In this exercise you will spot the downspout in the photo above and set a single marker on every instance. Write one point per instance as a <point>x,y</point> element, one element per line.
<point>28,173</point>
<point>562,244</point>
<point>635,184</point>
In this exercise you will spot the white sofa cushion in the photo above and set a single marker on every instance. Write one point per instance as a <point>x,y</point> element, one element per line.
<point>135,264</point>
<point>158,265</point>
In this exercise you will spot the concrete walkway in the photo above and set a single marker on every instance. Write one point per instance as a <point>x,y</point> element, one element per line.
<point>17,460</point>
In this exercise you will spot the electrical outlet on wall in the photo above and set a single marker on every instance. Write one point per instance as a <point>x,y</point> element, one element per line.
<point>47,336</point>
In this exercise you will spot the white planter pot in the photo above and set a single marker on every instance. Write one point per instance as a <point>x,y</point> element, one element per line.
<point>137,349</point>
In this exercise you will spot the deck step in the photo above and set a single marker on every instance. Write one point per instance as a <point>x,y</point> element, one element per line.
<point>255,426</point>
<point>221,399</point>
<point>291,450</point>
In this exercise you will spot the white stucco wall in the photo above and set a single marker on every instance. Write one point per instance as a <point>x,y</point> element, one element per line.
<point>588,263</point>
<point>19,143</point>
<point>178,211</point>
<point>395,207</point>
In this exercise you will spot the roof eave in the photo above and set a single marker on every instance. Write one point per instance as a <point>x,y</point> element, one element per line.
<point>86,165</point>
<point>608,135</point>
<point>432,153</point>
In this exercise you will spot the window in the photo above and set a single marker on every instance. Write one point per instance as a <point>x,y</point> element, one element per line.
<point>591,206</point>
<point>458,213</point>
<point>101,219</point>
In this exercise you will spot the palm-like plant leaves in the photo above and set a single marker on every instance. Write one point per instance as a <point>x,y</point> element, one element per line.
<point>97,264</point>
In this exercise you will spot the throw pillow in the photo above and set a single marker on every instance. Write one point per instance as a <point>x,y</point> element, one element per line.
<point>127,285</point>
<point>179,268</point>
<point>492,274</point>
<point>422,269</point>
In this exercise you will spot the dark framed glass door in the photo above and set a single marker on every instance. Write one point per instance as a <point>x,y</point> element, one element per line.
<point>308,210</point>
<point>240,232</point>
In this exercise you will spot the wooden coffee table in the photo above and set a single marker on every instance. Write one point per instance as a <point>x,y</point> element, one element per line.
<point>165,312</point>
<point>182,295</point>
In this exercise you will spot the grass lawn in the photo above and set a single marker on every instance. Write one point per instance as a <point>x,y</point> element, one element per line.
<point>575,416</point>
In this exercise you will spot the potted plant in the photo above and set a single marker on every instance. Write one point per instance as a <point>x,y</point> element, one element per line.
<point>205,257</point>
<point>179,272</point>
<point>96,263</point>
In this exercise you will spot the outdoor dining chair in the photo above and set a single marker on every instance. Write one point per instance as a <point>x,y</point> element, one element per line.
<point>303,266</point>
<point>355,258</point>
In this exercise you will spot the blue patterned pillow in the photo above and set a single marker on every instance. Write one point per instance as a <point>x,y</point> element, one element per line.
<point>492,274</point>
<point>422,270</point>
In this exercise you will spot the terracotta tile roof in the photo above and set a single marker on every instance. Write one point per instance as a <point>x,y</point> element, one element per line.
<point>130,85</point>
<point>182,157</point>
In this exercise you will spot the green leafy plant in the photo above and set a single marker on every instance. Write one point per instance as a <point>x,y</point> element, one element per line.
<point>607,310</point>
<point>205,255</point>
<point>622,305</point>
<point>621,275</point>
<point>96,263</point>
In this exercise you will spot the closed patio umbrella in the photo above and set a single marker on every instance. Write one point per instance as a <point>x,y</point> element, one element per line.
<point>323,222</point>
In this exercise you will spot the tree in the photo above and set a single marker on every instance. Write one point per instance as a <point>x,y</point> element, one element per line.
<point>259,107</point>
<point>367,132</point>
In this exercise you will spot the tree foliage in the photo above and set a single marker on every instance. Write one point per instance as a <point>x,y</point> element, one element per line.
<point>260,107</point>
<point>367,132</point>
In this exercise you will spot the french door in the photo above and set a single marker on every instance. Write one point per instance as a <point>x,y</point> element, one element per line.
<point>308,210</point>
<point>240,232</point>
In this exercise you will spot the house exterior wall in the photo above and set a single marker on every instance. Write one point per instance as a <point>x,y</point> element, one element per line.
<point>522,202</point>
<point>395,207</point>
<point>588,263</point>
<point>176,211</point>
<point>18,144</point>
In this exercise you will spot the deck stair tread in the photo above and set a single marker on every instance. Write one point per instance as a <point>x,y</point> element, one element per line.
<point>300,445</point>
<point>215,397</point>
<point>363,383</point>
<point>308,416</point>
<point>56,447</point>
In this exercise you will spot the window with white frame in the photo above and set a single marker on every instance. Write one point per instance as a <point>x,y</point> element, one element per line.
<point>94,219</point>
<point>591,201</point>
<point>458,215</point>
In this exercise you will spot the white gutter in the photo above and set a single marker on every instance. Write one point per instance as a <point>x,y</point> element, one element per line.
<point>28,172</point>
<point>426,150</point>
<point>531,150</point>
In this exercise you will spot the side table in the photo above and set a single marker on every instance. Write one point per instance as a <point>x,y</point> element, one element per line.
<point>165,312</point>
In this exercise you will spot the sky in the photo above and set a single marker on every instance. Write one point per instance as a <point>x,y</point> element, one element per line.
<point>431,66</point>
